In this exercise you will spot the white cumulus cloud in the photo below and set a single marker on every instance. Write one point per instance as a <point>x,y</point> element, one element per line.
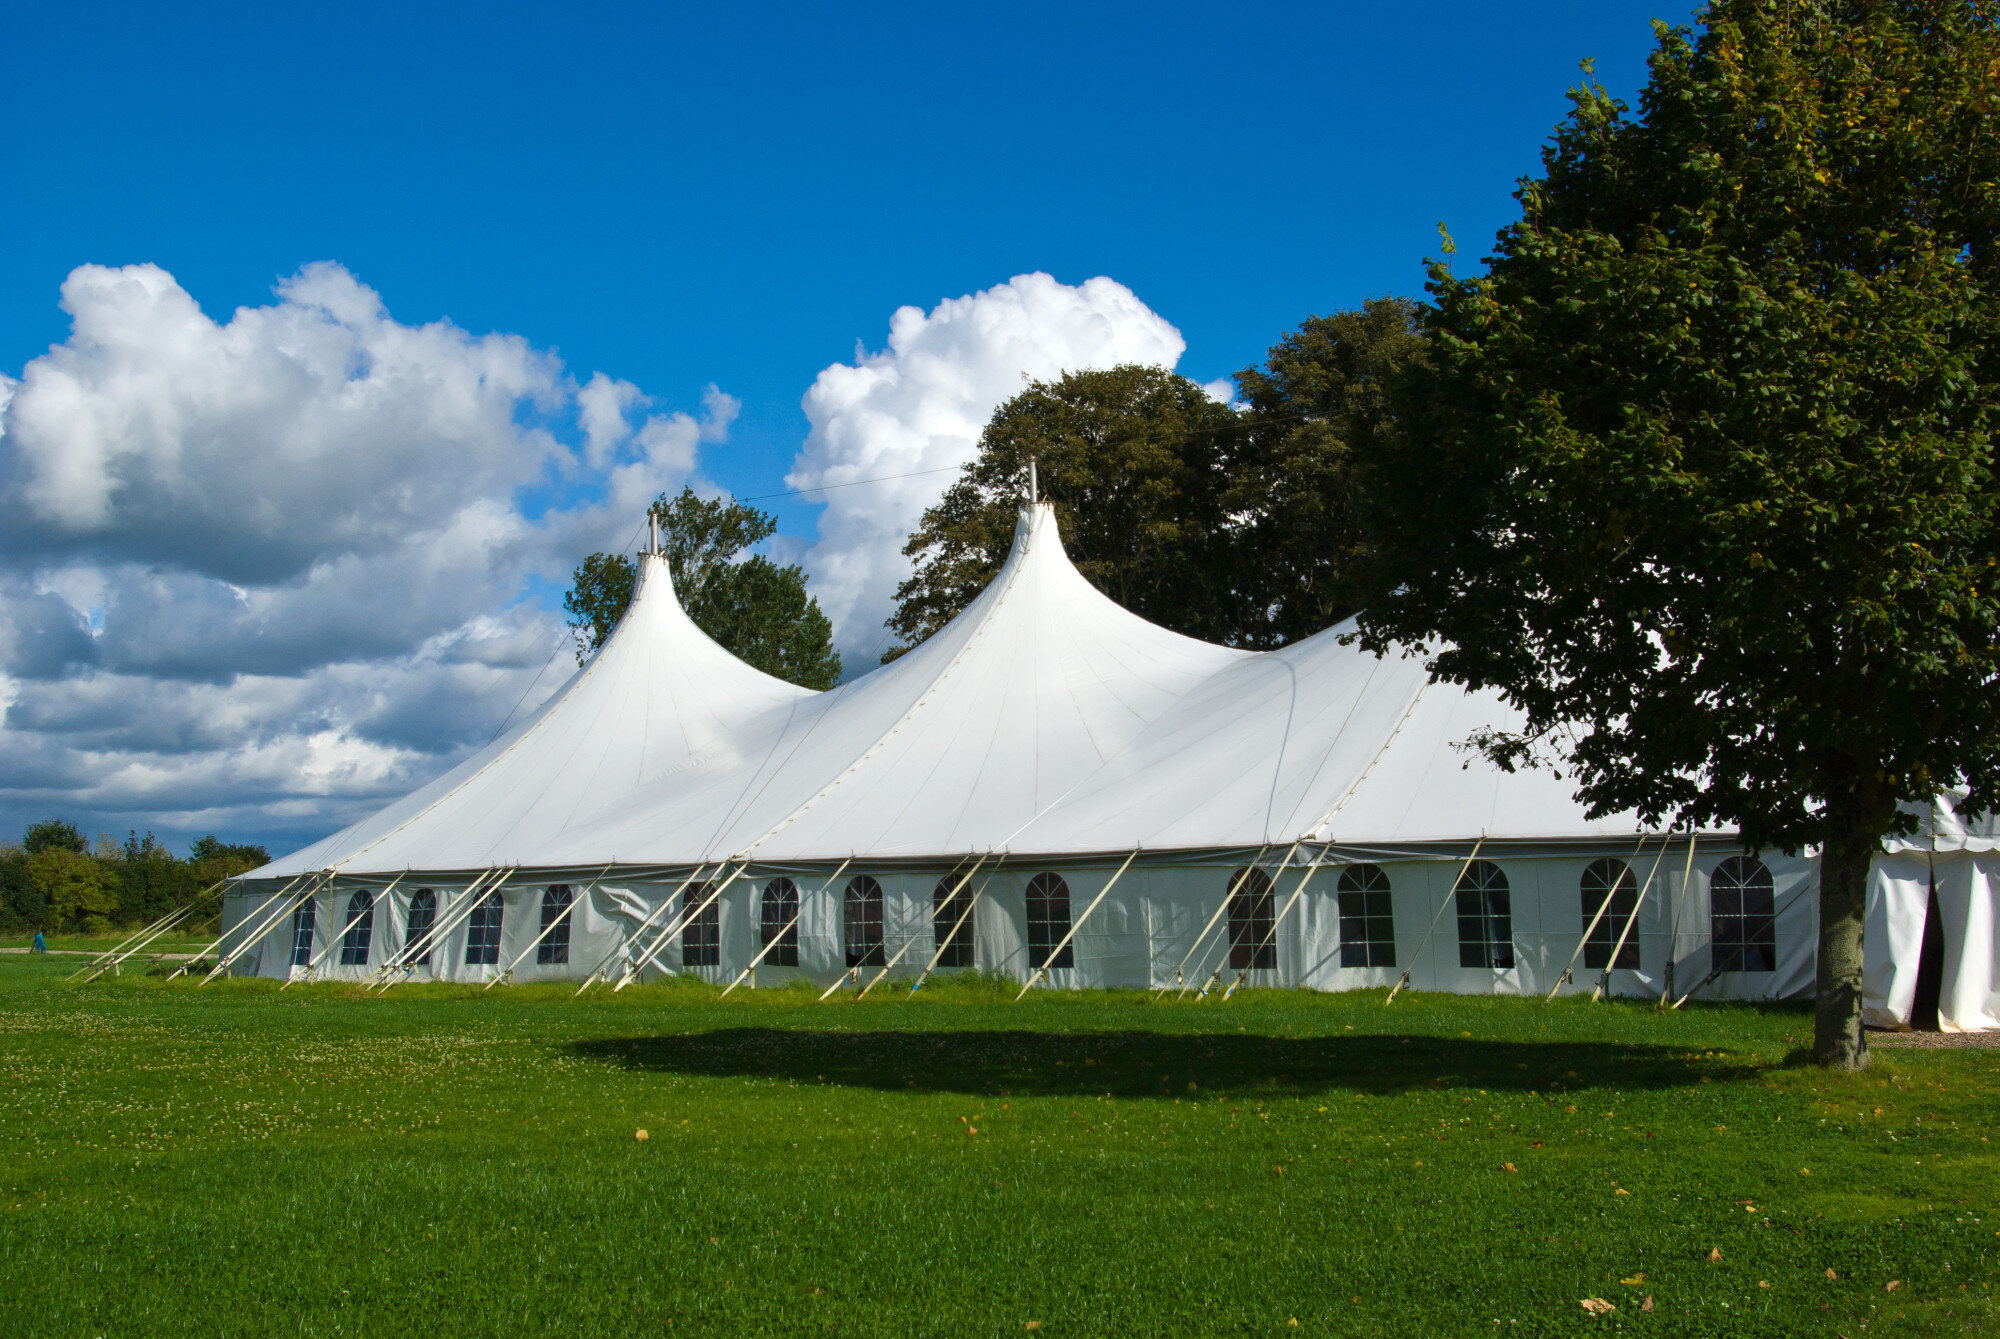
<point>920,405</point>
<point>262,574</point>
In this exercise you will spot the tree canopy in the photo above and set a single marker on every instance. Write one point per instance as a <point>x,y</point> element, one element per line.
<point>757,610</point>
<point>1236,523</point>
<point>1700,471</point>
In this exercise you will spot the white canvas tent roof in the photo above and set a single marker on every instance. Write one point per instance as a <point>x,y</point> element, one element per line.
<point>1044,719</point>
<point>658,693</point>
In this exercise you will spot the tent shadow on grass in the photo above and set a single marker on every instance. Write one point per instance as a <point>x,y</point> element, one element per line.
<point>1157,1064</point>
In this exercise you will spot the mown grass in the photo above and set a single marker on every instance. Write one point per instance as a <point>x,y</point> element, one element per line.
<point>235,1161</point>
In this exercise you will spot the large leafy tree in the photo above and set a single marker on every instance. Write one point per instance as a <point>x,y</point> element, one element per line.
<point>756,609</point>
<point>1320,401</point>
<point>1701,475</point>
<point>1135,461</point>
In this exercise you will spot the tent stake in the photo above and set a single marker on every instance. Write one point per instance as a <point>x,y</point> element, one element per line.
<point>1075,925</point>
<point>1604,981</point>
<point>1451,895</point>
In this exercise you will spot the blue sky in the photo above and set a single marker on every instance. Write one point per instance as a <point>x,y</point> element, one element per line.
<point>677,198</point>
<point>686,194</point>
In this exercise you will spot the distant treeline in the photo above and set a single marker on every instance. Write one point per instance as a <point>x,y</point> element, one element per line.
<point>53,881</point>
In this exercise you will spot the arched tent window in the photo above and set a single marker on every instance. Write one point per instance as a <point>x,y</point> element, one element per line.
<point>701,934</point>
<point>861,922</point>
<point>1367,919</point>
<point>1485,917</point>
<point>482,932</point>
<point>778,920</point>
<point>423,915</point>
<point>951,928</point>
<point>1251,941</point>
<point>360,929</point>
<point>1610,879</point>
<point>1742,916</point>
<point>557,899</point>
<point>1048,922</point>
<point>304,921</point>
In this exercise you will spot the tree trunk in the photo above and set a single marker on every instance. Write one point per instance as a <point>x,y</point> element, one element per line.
<point>1838,1041</point>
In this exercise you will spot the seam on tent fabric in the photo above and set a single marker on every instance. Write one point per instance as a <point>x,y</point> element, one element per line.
<point>915,707</point>
<point>1318,830</point>
<point>1353,706</point>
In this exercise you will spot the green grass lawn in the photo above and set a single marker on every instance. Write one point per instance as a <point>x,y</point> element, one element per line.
<point>235,1161</point>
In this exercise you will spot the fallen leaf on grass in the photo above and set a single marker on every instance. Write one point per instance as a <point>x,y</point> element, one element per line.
<point>1508,1167</point>
<point>1597,1306</point>
<point>1032,1325</point>
<point>642,1136</point>
<point>1536,1144</point>
<point>1635,1280</point>
<point>1830,1274</point>
<point>1647,1305</point>
<point>1763,1283</point>
<point>1892,1285</point>
<point>1714,1254</point>
<point>1621,1192</point>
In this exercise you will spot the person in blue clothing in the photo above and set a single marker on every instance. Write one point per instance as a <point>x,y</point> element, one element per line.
<point>41,945</point>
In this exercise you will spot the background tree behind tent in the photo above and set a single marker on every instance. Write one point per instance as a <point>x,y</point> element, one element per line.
<point>1235,524</point>
<point>53,881</point>
<point>755,609</point>
<point>1701,475</point>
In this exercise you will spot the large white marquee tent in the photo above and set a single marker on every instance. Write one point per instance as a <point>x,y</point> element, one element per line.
<point>1055,789</point>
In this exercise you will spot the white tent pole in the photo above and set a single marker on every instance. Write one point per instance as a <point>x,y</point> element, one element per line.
<point>675,925</point>
<point>352,921</point>
<point>931,966</point>
<point>453,916</point>
<point>1598,915</point>
<point>687,920</point>
<point>217,945</point>
<point>1450,896</point>
<point>148,932</point>
<point>1180,972</point>
<point>779,937</point>
<point>887,966</point>
<point>1076,925</point>
<point>1222,963</point>
<point>677,922</point>
<point>1674,936</point>
<point>1277,921</point>
<point>408,952</point>
<point>467,905</point>
<point>563,915</point>
<point>597,973</point>
<point>270,922</point>
<point>1604,981</point>
<point>152,932</point>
